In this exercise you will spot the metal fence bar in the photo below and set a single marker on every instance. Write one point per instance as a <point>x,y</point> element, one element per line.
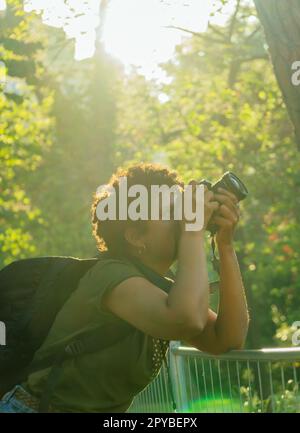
<point>239,385</point>
<point>244,355</point>
<point>264,380</point>
<point>198,386</point>
<point>190,386</point>
<point>204,381</point>
<point>249,386</point>
<point>271,387</point>
<point>229,382</point>
<point>260,386</point>
<point>283,387</point>
<point>212,384</point>
<point>220,382</point>
<point>295,379</point>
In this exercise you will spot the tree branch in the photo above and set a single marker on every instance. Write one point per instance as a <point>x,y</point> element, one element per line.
<point>217,31</point>
<point>233,20</point>
<point>198,35</point>
<point>258,28</point>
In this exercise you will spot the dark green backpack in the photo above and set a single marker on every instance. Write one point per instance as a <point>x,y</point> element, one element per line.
<point>32,291</point>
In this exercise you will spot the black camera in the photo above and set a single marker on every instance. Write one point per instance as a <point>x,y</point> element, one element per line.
<point>231,183</point>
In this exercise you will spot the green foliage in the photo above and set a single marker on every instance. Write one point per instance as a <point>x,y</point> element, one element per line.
<point>66,125</point>
<point>25,136</point>
<point>79,97</point>
<point>81,157</point>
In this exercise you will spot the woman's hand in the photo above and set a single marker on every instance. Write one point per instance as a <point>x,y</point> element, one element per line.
<point>226,217</point>
<point>211,205</point>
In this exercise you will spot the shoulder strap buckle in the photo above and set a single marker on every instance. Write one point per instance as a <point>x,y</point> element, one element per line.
<point>75,348</point>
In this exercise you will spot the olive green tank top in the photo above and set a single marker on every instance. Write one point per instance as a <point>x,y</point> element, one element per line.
<point>106,380</point>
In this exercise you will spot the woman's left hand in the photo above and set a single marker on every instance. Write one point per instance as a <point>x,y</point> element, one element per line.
<point>226,217</point>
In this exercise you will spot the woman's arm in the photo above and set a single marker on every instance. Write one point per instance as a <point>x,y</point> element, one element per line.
<point>180,314</point>
<point>228,328</point>
<point>189,295</point>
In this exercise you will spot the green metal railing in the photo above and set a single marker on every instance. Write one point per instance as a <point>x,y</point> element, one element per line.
<point>265,380</point>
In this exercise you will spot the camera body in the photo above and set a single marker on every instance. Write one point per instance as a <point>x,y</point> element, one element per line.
<point>231,183</point>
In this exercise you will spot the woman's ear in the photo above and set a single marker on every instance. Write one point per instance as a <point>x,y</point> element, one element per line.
<point>134,237</point>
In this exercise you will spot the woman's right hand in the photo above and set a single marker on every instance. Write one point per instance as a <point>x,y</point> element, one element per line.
<point>210,206</point>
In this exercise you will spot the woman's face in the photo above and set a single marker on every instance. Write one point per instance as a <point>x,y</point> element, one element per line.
<point>162,237</point>
<point>161,241</point>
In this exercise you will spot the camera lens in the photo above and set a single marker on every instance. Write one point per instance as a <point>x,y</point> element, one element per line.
<point>234,184</point>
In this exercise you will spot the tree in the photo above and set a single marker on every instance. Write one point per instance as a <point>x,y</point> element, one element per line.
<point>281,21</point>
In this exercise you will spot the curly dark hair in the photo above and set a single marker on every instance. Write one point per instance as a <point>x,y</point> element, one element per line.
<point>109,234</point>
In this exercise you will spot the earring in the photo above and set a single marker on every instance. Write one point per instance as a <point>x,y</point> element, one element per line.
<point>142,250</point>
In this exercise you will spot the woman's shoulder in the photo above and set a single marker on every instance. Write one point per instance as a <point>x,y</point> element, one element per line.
<point>107,261</point>
<point>113,269</point>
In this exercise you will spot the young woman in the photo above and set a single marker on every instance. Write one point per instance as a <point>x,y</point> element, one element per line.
<point>115,291</point>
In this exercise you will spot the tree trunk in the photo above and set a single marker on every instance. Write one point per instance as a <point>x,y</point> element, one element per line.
<point>281,22</point>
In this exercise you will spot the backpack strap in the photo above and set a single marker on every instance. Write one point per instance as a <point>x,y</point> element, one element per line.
<point>163,283</point>
<point>89,342</point>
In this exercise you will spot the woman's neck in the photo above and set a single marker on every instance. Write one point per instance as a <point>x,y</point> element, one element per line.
<point>160,268</point>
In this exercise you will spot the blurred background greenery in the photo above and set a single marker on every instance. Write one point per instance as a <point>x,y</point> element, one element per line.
<point>66,124</point>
